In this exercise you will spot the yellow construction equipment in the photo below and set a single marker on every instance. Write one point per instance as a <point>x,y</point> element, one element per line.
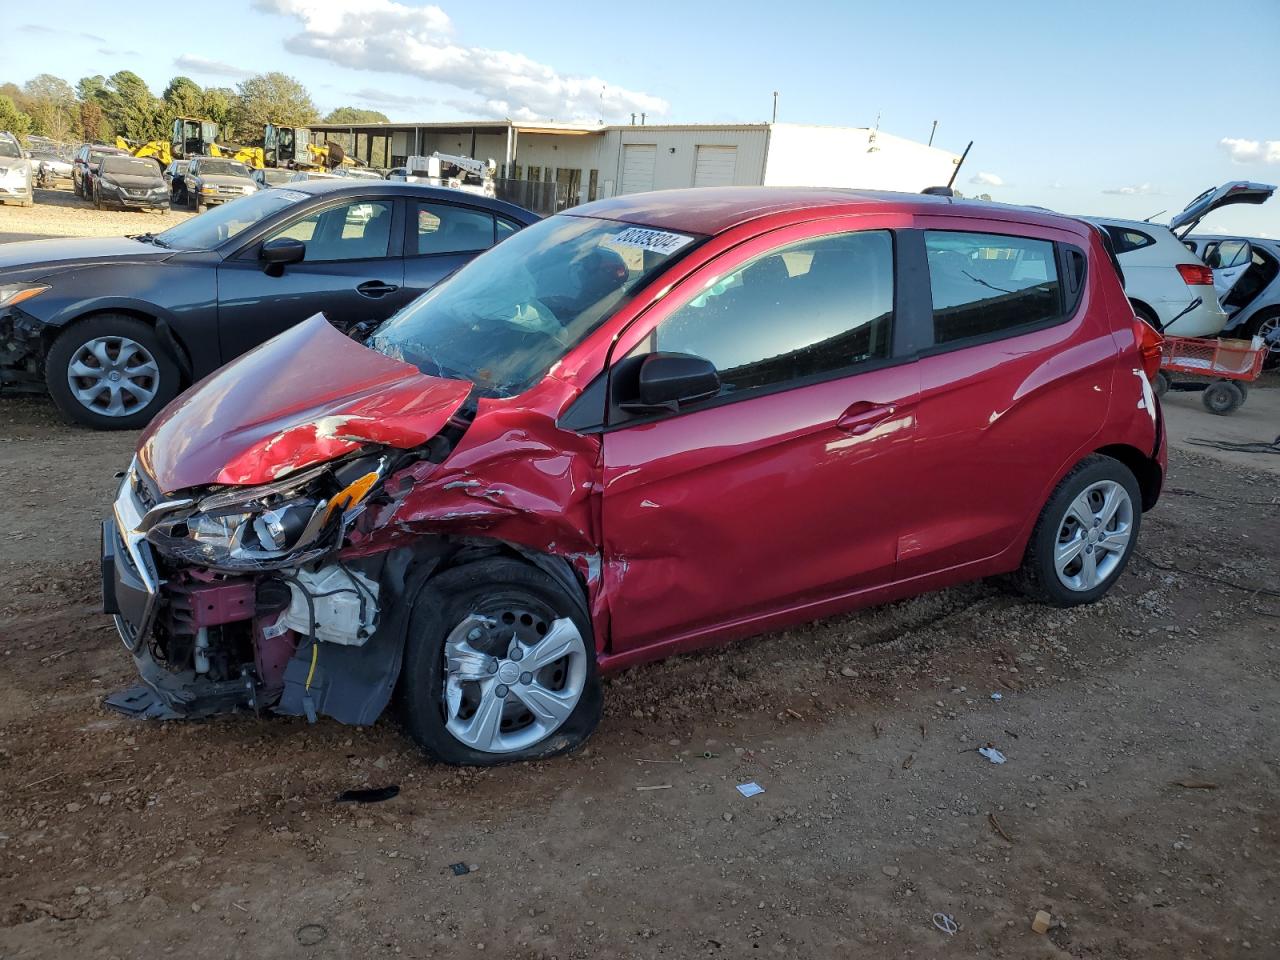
<point>159,149</point>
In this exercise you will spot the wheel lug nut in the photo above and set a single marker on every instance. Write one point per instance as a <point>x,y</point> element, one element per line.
<point>500,691</point>
<point>493,665</point>
<point>526,678</point>
<point>474,633</point>
<point>516,652</point>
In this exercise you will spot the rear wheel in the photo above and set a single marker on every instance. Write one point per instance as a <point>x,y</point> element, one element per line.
<point>1161,384</point>
<point>499,666</point>
<point>1267,327</point>
<point>1085,535</point>
<point>110,372</point>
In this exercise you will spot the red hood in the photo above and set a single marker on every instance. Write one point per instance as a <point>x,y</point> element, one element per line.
<point>306,396</point>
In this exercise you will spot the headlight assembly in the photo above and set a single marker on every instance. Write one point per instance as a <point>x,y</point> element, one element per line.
<point>11,294</point>
<point>290,522</point>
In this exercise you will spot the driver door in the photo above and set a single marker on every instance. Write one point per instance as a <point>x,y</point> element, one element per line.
<point>784,491</point>
<point>353,270</point>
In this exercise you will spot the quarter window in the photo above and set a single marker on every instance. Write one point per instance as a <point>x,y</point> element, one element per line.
<point>1126,240</point>
<point>986,285</point>
<point>444,228</point>
<point>804,310</point>
<point>352,231</point>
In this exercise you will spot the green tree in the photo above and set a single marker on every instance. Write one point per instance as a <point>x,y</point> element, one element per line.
<point>270,98</point>
<point>12,119</point>
<point>132,110</point>
<point>183,97</point>
<point>91,89</point>
<point>356,115</point>
<point>216,105</point>
<point>51,101</point>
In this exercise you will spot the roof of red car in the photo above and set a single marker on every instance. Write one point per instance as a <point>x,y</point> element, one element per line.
<point>711,210</point>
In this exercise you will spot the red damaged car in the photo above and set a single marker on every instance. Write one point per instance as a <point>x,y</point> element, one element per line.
<point>648,425</point>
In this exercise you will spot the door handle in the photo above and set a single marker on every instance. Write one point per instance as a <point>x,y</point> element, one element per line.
<point>375,289</point>
<point>864,416</point>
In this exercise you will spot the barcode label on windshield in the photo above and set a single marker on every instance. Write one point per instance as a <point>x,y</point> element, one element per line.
<point>655,241</point>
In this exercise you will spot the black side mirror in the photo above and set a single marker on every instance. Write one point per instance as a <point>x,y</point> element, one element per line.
<point>667,380</point>
<point>282,251</point>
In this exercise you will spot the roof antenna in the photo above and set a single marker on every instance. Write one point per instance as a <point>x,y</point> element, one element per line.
<point>1153,216</point>
<point>932,132</point>
<point>775,107</point>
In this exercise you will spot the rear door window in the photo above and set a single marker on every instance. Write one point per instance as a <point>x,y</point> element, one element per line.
<point>445,228</point>
<point>802,311</point>
<point>988,285</point>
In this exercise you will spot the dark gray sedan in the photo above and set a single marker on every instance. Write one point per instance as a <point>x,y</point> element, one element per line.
<point>115,327</point>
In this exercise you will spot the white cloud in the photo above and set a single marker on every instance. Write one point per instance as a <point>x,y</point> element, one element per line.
<point>380,98</point>
<point>1251,151</point>
<point>987,180</point>
<point>393,37</point>
<point>1133,190</point>
<point>210,67</point>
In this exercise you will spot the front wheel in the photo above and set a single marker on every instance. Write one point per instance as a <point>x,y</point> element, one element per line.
<point>110,372</point>
<point>1085,535</point>
<point>1222,398</point>
<point>499,666</point>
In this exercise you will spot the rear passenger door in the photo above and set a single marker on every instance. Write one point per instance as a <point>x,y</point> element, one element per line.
<point>785,490</point>
<point>442,236</point>
<point>1017,377</point>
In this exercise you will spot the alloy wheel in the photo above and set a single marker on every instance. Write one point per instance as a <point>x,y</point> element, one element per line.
<point>513,674</point>
<point>1094,536</point>
<point>113,376</point>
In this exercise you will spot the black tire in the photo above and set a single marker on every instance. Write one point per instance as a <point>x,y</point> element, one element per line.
<point>1161,384</point>
<point>444,602</point>
<point>97,199</point>
<point>1037,578</point>
<point>1222,398</point>
<point>1255,329</point>
<point>201,207</point>
<point>74,337</point>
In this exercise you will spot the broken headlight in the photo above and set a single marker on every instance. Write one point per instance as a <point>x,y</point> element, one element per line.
<point>254,528</point>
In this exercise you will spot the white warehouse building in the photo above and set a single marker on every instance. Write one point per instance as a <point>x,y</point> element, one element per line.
<point>587,162</point>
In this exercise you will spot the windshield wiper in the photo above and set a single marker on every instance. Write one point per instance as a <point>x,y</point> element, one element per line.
<point>150,238</point>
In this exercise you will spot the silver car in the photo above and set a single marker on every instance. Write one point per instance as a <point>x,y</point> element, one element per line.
<point>1246,275</point>
<point>213,180</point>
<point>16,173</point>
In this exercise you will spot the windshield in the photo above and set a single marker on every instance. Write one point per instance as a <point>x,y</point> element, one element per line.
<point>228,220</point>
<point>223,168</point>
<point>9,148</point>
<point>508,316</point>
<point>131,166</point>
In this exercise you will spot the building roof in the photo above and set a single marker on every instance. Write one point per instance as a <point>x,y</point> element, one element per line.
<point>711,210</point>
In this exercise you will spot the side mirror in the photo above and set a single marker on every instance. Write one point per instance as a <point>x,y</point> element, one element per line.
<point>667,380</point>
<point>282,251</point>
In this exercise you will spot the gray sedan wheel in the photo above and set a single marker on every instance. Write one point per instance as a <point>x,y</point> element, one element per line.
<point>1093,536</point>
<point>110,372</point>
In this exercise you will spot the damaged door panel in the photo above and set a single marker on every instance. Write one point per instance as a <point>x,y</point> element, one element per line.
<point>638,428</point>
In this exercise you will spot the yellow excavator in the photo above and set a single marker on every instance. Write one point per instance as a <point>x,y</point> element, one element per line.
<point>280,146</point>
<point>152,148</point>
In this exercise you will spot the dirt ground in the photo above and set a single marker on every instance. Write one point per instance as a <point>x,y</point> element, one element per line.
<point>1139,804</point>
<point>60,213</point>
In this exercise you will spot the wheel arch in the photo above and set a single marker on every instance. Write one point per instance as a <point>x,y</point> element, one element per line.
<point>148,315</point>
<point>1145,469</point>
<point>1140,304</point>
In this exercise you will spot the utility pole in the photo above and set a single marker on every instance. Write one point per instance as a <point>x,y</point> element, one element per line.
<point>775,107</point>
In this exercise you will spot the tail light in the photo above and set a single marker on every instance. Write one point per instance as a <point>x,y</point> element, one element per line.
<point>1150,343</point>
<point>1196,274</point>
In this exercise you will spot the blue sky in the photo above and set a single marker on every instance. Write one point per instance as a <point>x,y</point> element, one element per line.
<point>1116,108</point>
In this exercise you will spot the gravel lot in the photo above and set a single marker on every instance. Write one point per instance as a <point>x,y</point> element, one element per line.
<point>60,213</point>
<point>1140,804</point>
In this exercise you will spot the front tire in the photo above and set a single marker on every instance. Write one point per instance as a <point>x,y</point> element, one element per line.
<point>110,372</point>
<point>500,666</point>
<point>1222,398</point>
<point>1085,535</point>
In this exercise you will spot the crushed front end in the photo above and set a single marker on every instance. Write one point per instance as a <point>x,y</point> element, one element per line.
<point>225,596</point>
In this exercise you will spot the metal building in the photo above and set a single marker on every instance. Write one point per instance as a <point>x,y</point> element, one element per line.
<point>580,162</point>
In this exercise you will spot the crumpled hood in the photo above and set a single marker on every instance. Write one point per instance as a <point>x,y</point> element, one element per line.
<point>303,397</point>
<point>39,257</point>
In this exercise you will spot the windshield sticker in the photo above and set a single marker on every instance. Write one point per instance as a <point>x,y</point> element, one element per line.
<point>293,195</point>
<point>655,241</point>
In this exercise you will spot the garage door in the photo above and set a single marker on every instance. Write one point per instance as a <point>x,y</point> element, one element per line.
<point>637,166</point>
<point>715,166</point>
